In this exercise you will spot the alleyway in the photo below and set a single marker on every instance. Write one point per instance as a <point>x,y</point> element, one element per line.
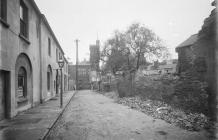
<point>91,116</point>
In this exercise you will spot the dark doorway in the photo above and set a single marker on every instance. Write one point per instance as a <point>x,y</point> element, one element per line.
<point>4,94</point>
<point>57,82</point>
<point>49,82</point>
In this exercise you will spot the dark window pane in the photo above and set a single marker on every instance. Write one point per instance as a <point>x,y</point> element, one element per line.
<point>49,46</point>
<point>22,84</point>
<point>57,55</point>
<point>48,81</point>
<point>20,81</point>
<point>3,9</point>
<point>23,19</point>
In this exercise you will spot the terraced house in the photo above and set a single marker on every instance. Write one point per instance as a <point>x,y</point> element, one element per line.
<point>29,52</point>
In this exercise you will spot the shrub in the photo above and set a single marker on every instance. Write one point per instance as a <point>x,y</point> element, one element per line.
<point>155,87</point>
<point>125,87</point>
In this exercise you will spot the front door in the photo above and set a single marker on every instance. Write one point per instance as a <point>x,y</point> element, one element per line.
<point>2,96</point>
<point>57,82</point>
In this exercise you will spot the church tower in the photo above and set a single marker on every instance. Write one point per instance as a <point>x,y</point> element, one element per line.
<point>95,56</point>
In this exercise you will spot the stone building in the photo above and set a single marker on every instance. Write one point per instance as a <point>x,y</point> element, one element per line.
<point>29,52</point>
<point>167,69</point>
<point>84,69</point>
<point>95,77</point>
<point>95,56</point>
<point>201,56</point>
<point>88,71</point>
<point>185,53</point>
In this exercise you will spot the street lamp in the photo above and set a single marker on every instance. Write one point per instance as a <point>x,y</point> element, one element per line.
<point>61,65</point>
<point>77,59</point>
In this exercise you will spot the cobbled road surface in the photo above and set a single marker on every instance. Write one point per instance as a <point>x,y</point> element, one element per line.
<point>92,116</point>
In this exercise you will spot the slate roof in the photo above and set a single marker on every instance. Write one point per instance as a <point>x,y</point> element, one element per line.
<point>214,3</point>
<point>167,66</point>
<point>190,41</point>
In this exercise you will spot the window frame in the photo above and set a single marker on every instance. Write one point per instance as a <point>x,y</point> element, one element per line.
<point>3,13</point>
<point>60,56</point>
<point>57,55</point>
<point>24,23</point>
<point>49,46</point>
<point>22,87</point>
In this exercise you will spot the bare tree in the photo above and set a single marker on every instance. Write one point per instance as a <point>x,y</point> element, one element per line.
<point>129,50</point>
<point>144,43</point>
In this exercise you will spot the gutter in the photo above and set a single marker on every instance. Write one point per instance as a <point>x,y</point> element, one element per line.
<point>40,58</point>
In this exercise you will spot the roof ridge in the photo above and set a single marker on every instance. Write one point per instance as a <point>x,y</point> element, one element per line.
<point>189,41</point>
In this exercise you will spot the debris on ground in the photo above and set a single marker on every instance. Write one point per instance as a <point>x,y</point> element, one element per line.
<point>160,110</point>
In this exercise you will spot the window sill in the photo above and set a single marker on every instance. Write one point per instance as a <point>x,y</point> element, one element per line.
<point>22,100</point>
<point>25,39</point>
<point>4,23</point>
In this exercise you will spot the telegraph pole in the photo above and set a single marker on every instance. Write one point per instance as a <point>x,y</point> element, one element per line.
<point>77,42</point>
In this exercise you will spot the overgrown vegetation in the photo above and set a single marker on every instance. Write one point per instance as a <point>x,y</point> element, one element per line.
<point>123,55</point>
<point>183,92</point>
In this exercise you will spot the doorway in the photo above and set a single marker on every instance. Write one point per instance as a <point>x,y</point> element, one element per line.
<point>4,94</point>
<point>49,82</point>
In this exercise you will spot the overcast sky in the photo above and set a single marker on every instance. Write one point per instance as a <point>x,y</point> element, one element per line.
<point>173,20</point>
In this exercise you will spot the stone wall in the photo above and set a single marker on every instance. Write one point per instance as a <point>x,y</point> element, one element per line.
<point>185,57</point>
<point>201,69</point>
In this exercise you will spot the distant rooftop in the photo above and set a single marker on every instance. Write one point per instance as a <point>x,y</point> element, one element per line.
<point>84,62</point>
<point>167,66</point>
<point>190,41</point>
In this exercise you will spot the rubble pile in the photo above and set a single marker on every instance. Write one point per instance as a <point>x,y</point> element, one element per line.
<point>160,110</point>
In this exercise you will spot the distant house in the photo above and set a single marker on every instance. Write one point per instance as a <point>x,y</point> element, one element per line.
<point>165,67</point>
<point>168,67</point>
<point>185,53</point>
<point>150,70</point>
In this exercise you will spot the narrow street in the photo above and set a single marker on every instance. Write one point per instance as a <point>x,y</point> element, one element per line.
<point>91,116</point>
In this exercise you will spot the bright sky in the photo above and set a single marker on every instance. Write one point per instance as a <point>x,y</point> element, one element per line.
<point>173,20</point>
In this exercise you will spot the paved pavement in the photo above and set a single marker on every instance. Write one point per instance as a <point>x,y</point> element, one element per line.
<point>91,116</point>
<point>34,123</point>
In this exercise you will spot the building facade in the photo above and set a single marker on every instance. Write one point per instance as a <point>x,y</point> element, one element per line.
<point>170,67</point>
<point>83,76</point>
<point>28,57</point>
<point>95,76</point>
<point>201,53</point>
<point>95,56</point>
<point>185,53</point>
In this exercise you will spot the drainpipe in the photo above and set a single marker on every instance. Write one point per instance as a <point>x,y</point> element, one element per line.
<point>40,57</point>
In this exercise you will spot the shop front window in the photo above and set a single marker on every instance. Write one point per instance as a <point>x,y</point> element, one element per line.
<point>22,84</point>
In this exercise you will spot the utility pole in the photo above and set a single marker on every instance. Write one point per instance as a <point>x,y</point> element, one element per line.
<point>77,42</point>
